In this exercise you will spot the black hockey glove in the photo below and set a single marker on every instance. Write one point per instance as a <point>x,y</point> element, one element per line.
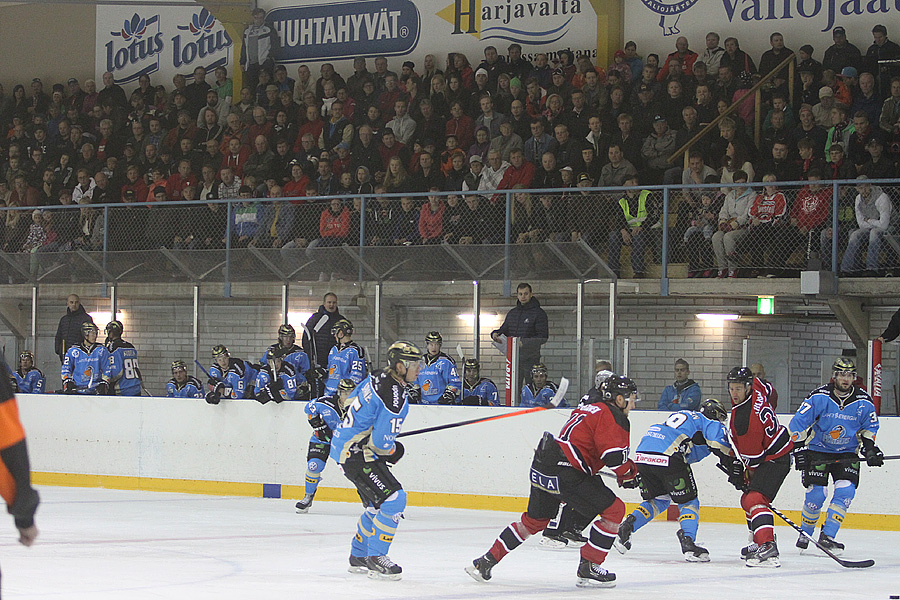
<point>801,459</point>
<point>303,394</point>
<point>395,456</point>
<point>103,389</point>
<point>14,383</point>
<point>447,397</point>
<point>629,479</point>
<point>414,393</point>
<point>213,398</point>
<point>874,456</point>
<point>320,428</point>
<point>69,387</point>
<point>264,395</point>
<point>736,475</point>
<point>316,373</point>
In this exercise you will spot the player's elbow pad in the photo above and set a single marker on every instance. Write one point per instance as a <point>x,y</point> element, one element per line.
<point>615,458</point>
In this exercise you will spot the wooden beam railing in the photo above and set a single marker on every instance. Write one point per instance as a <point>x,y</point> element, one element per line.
<point>788,63</point>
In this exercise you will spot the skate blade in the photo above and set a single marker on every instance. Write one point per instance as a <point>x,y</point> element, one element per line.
<point>769,563</point>
<point>385,576</point>
<point>475,574</point>
<point>691,557</point>
<point>620,547</point>
<point>358,570</point>
<point>551,544</point>
<point>584,582</point>
<point>302,511</point>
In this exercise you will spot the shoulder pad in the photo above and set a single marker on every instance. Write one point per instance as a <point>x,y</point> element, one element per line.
<point>173,382</point>
<point>195,381</point>
<point>448,357</point>
<point>391,393</point>
<point>552,385</point>
<point>358,348</point>
<point>288,368</point>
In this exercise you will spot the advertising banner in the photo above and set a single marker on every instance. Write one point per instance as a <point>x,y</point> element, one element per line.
<point>160,41</point>
<point>655,24</point>
<point>337,32</point>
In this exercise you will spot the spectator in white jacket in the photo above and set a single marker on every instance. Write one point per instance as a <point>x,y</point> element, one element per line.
<point>733,219</point>
<point>874,217</point>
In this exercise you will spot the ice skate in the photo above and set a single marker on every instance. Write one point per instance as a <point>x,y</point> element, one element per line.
<point>357,565</point>
<point>576,540</point>
<point>622,542</point>
<point>692,552</point>
<point>803,543</point>
<point>593,575</point>
<point>303,505</point>
<point>480,569</point>
<point>828,543</point>
<point>554,542</point>
<point>382,567</point>
<point>766,556</point>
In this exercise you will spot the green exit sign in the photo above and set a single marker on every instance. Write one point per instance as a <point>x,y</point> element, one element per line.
<point>765,305</point>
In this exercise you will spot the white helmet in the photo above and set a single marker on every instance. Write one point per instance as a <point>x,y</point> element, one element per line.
<point>602,376</point>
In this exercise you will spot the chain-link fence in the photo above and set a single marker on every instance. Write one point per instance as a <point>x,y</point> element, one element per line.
<point>764,229</point>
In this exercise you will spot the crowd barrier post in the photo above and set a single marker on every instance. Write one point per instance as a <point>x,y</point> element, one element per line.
<point>664,262</point>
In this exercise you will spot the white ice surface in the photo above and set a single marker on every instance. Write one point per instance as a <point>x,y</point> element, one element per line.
<point>108,544</point>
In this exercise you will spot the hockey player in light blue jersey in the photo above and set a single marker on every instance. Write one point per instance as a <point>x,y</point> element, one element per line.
<point>438,381</point>
<point>346,360</point>
<point>124,372</point>
<point>183,385</point>
<point>829,429</point>
<point>325,415</point>
<point>276,381</point>
<point>540,391</point>
<point>294,355</point>
<point>663,457</point>
<point>29,379</point>
<point>478,391</point>
<point>229,377</point>
<point>364,445</point>
<point>85,367</point>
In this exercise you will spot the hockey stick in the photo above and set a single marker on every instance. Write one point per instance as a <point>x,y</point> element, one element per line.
<point>462,381</point>
<point>554,402</point>
<point>847,461</point>
<point>850,564</point>
<point>205,372</point>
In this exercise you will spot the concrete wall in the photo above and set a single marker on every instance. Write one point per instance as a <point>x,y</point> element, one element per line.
<point>243,441</point>
<point>158,320</point>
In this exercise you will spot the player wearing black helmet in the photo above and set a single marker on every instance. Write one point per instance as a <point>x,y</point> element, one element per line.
<point>183,385</point>
<point>346,360</point>
<point>566,468</point>
<point>325,415</point>
<point>28,378</point>
<point>763,446</point>
<point>834,423</point>
<point>124,373</point>
<point>664,457</point>
<point>293,355</point>
<point>229,377</point>
<point>478,390</point>
<point>540,390</point>
<point>438,381</point>
<point>85,368</point>
<point>364,445</point>
<point>276,381</point>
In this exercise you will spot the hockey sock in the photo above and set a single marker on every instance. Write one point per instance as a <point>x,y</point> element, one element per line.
<point>649,510</point>
<point>313,474</point>
<point>385,523</point>
<point>844,491</point>
<point>762,521</point>
<point>603,533</point>
<point>812,507</point>
<point>689,518</point>
<point>516,533</point>
<point>360,545</point>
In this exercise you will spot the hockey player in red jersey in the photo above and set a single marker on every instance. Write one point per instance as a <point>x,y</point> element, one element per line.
<point>566,468</point>
<point>763,447</point>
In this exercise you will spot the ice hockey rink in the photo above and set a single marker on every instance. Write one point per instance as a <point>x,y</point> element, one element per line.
<point>111,544</point>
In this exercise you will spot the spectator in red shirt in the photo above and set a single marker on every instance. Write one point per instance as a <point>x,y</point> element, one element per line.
<point>180,180</point>
<point>808,217</point>
<point>766,222</point>
<point>431,218</point>
<point>334,225</point>
<point>519,171</point>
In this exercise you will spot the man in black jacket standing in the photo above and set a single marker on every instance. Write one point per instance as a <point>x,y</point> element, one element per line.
<point>893,329</point>
<point>526,321</point>
<point>321,341</point>
<point>69,331</point>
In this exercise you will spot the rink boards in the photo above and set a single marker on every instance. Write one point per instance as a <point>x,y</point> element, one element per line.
<point>244,448</point>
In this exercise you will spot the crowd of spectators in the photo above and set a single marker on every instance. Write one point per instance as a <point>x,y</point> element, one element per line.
<point>473,127</point>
